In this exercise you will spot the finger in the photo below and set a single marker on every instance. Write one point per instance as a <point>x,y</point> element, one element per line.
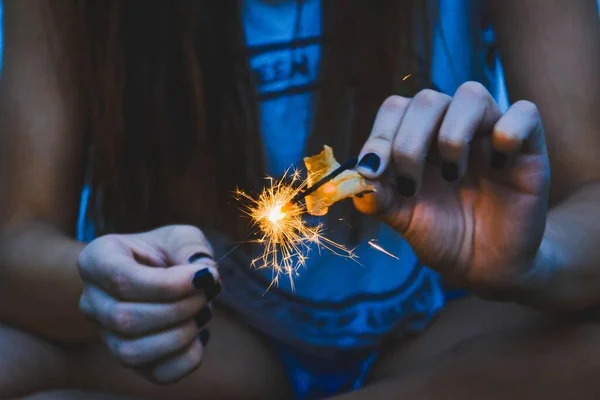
<point>147,349</point>
<point>411,143</point>
<point>123,278</point>
<point>135,319</point>
<point>472,110</point>
<point>179,366</point>
<point>518,130</point>
<point>180,243</point>
<point>375,155</point>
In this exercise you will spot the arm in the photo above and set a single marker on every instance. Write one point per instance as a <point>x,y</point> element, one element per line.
<point>551,54</point>
<point>40,177</point>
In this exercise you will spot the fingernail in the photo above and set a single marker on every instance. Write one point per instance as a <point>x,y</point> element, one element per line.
<point>203,317</point>
<point>212,291</point>
<point>204,335</point>
<point>370,161</point>
<point>406,186</point>
<point>449,171</point>
<point>203,279</point>
<point>498,160</point>
<point>198,256</point>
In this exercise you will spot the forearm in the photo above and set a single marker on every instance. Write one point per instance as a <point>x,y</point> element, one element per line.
<point>39,282</point>
<point>566,273</point>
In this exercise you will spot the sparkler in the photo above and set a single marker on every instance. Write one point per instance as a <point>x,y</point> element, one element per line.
<point>285,236</point>
<point>278,224</point>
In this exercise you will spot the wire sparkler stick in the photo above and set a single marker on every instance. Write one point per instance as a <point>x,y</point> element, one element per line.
<point>350,164</point>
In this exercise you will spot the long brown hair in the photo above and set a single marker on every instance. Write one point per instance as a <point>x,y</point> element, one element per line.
<point>168,89</point>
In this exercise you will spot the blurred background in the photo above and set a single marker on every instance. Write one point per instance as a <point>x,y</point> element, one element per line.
<point>451,38</point>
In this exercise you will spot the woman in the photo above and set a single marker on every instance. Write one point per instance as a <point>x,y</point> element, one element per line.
<point>164,97</point>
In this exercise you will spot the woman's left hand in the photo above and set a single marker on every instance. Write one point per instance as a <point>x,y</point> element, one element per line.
<point>469,187</point>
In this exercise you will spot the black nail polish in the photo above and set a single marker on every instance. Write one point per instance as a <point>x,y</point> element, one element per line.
<point>198,256</point>
<point>449,171</point>
<point>406,186</point>
<point>212,291</point>
<point>370,161</point>
<point>203,279</point>
<point>203,317</point>
<point>203,336</point>
<point>498,160</point>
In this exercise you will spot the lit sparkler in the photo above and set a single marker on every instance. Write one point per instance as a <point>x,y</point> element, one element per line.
<point>285,236</point>
<point>277,215</point>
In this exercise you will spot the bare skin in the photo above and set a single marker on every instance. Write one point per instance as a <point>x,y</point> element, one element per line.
<point>237,363</point>
<point>475,350</point>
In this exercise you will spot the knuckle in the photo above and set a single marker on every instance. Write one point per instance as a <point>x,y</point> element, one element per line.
<point>87,262</point>
<point>194,358</point>
<point>450,146</point>
<point>121,284</point>
<point>122,319</point>
<point>395,103</point>
<point>406,154</point>
<point>83,261</point>
<point>127,353</point>
<point>527,107</point>
<point>188,231</point>
<point>473,89</point>
<point>188,237</point>
<point>429,97</point>
<point>85,307</point>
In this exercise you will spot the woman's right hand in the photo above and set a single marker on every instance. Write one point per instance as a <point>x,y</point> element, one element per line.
<point>150,295</point>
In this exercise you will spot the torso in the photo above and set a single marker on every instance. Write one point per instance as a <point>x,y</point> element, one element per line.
<point>337,303</point>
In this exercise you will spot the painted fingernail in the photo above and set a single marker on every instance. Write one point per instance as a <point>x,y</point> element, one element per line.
<point>203,336</point>
<point>406,186</point>
<point>199,256</point>
<point>370,161</point>
<point>212,291</point>
<point>203,317</point>
<point>203,279</point>
<point>498,160</point>
<point>449,171</point>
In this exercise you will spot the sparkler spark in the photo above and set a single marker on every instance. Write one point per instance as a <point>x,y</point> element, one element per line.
<point>284,235</point>
<point>381,249</point>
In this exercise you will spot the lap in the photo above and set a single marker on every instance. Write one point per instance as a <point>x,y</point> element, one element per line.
<point>237,364</point>
<point>483,350</point>
<point>475,349</point>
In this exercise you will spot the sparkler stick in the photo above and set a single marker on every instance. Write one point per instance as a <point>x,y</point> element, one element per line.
<point>350,164</point>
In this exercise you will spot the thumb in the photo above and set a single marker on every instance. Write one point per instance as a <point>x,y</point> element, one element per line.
<point>182,244</point>
<point>385,205</point>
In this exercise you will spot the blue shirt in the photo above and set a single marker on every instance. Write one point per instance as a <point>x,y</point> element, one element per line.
<point>337,303</point>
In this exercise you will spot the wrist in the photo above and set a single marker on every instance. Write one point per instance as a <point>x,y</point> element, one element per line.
<point>534,286</point>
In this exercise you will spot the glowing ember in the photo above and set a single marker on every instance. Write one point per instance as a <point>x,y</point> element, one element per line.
<point>276,215</point>
<point>286,238</point>
<point>381,249</point>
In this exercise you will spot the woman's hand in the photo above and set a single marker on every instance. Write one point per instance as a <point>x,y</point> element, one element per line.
<point>470,185</point>
<point>149,293</point>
